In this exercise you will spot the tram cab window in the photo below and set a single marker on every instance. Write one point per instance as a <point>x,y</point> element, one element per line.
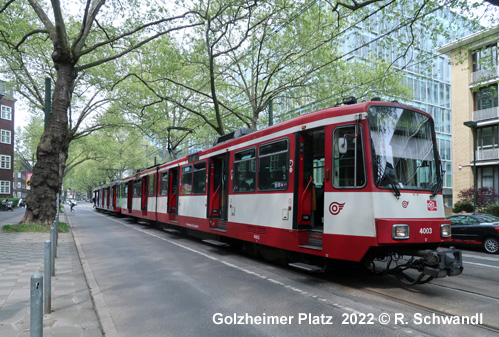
<point>164,183</point>
<point>186,180</point>
<point>273,166</point>
<point>199,178</point>
<point>348,157</point>
<point>244,171</point>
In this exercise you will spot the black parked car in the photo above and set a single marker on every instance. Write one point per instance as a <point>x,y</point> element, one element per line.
<point>476,229</point>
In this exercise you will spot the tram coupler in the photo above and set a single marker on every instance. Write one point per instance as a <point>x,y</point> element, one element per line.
<point>441,263</point>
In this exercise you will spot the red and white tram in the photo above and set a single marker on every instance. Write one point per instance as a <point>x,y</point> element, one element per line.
<point>108,197</point>
<point>359,182</point>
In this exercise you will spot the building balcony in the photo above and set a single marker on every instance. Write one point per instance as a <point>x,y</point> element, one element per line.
<point>481,115</point>
<point>484,75</point>
<point>487,154</point>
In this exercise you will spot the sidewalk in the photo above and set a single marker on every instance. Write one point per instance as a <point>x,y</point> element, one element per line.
<point>21,255</point>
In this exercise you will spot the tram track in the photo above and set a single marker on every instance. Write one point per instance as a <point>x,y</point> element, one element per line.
<point>429,309</point>
<point>352,281</point>
<point>474,293</point>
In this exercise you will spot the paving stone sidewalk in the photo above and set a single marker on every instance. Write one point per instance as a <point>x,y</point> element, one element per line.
<point>21,255</point>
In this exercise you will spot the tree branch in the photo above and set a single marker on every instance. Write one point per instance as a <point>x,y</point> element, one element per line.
<point>45,19</point>
<point>128,50</point>
<point>7,4</point>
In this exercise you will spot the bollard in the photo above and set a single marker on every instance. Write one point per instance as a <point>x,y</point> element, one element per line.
<point>56,234</point>
<point>36,304</point>
<point>57,221</point>
<point>52,248</point>
<point>47,272</point>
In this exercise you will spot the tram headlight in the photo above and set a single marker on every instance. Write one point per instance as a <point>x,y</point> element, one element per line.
<point>400,232</point>
<point>445,230</point>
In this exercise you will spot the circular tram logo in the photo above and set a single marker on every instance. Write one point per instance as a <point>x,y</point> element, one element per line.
<point>335,208</point>
<point>405,204</point>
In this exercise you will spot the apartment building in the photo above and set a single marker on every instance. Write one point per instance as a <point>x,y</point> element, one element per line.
<point>7,103</point>
<point>22,173</point>
<point>475,111</point>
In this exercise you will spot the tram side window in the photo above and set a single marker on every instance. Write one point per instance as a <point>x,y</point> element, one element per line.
<point>186,180</point>
<point>137,188</point>
<point>273,166</point>
<point>348,162</point>
<point>164,183</point>
<point>199,178</point>
<point>152,185</point>
<point>244,171</point>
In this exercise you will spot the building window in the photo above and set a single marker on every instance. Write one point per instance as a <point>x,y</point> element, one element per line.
<point>6,112</point>
<point>488,177</point>
<point>4,187</point>
<point>487,137</point>
<point>485,58</point>
<point>5,162</point>
<point>486,98</point>
<point>6,136</point>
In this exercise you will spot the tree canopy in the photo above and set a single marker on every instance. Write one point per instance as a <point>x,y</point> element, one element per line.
<point>180,74</point>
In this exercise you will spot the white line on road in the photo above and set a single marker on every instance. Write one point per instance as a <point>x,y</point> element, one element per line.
<point>481,264</point>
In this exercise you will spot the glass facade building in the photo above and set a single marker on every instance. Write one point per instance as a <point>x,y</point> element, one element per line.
<point>426,72</point>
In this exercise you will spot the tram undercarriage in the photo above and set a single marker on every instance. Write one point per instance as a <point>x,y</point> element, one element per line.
<point>417,266</point>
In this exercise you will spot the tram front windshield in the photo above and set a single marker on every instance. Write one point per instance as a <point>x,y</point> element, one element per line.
<point>403,149</point>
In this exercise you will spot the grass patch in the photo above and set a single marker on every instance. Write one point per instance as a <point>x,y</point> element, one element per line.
<point>33,227</point>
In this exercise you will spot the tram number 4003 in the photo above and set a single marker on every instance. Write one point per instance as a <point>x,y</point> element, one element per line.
<point>256,237</point>
<point>425,231</point>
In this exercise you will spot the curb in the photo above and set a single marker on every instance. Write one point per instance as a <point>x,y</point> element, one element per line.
<point>105,321</point>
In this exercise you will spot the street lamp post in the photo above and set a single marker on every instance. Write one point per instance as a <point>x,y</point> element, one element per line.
<point>473,125</point>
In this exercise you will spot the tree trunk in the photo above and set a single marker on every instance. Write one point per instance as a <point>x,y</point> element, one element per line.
<point>51,153</point>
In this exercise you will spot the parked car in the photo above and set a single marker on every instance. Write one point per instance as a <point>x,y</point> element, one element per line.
<point>479,228</point>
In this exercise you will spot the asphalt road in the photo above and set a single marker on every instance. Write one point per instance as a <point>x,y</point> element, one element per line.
<point>153,283</point>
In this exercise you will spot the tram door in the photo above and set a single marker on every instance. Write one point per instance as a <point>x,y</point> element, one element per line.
<point>218,191</point>
<point>309,190</point>
<point>114,196</point>
<point>173,194</point>
<point>130,196</point>
<point>144,195</point>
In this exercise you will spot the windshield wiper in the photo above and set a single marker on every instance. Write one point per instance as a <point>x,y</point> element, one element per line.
<point>438,186</point>
<point>440,180</point>
<point>396,190</point>
<point>386,178</point>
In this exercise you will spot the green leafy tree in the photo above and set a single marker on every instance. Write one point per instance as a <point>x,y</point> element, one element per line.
<point>77,43</point>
